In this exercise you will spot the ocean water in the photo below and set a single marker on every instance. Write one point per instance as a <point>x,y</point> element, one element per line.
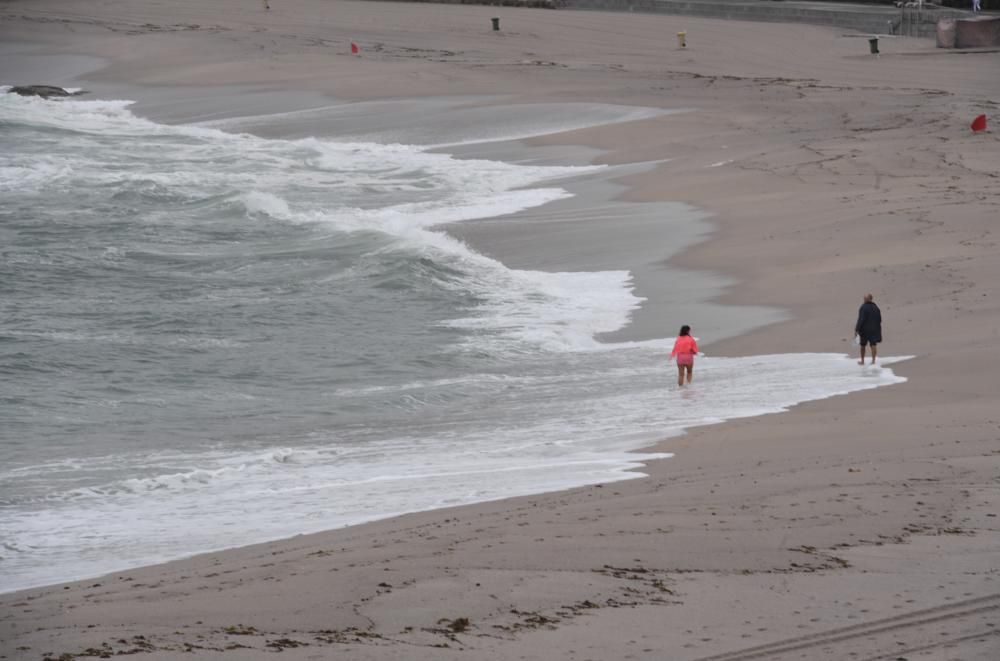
<point>210,339</point>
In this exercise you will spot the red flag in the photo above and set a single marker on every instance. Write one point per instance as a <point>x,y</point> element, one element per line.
<point>979,123</point>
<point>354,49</point>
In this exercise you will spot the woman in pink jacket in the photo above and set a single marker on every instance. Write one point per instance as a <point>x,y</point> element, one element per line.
<point>684,350</point>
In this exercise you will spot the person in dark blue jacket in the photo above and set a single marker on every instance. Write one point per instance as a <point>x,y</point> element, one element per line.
<point>869,327</point>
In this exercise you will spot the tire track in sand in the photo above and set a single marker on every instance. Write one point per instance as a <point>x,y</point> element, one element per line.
<point>969,619</point>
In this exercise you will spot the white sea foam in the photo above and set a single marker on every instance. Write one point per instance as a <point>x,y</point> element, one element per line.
<point>552,311</point>
<point>267,203</point>
<point>201,503</point>
<point>41,173</point>
<point>546,310</point>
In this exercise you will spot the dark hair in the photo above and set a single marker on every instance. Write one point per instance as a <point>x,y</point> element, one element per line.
<point>685,330</point>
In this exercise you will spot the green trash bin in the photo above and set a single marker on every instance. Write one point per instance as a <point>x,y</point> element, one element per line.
<point>873,45</point>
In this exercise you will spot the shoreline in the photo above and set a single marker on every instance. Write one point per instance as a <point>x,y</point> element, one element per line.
<point>695,506</point>
<point>531,249</point>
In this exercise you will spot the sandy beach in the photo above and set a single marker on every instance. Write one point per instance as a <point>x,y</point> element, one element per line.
<point>856,527</point>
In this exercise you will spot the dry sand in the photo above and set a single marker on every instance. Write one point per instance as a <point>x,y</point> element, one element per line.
<point>858,527</point>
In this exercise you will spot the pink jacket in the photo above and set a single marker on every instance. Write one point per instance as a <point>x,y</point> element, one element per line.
<point>684,345</point>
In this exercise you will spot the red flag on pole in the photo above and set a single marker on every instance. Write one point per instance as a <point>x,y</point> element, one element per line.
<point>979,123</point>
<point>354,49</point>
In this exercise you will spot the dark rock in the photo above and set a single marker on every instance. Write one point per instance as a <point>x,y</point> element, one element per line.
<point>44,91</point>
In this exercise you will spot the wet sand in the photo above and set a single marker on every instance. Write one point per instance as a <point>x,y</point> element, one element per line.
<point>862,526</point>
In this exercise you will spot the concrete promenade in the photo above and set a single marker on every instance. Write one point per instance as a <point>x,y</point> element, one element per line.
<point>871,18</point>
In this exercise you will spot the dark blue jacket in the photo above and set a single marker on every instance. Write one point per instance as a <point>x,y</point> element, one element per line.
<point>869,324</point>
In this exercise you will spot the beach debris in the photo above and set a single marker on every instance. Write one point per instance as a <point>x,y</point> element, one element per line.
<point>540,63</point>
<point>279,644</point>
<point>532,619</point>
<point>355,49</point>
<point>955,530</point>
<point>458,625</point>
<point>44,91</point>
<point>348,635</point>
<point>529,620</point>
<point>138,645</point>
<point>979,124</point>
<point>240,630</point>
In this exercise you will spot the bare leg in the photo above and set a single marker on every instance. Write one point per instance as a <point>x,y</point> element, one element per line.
<point>690,371</point>
<point>862,361</point>
<point>874,353</point>
<point>680,375</point>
